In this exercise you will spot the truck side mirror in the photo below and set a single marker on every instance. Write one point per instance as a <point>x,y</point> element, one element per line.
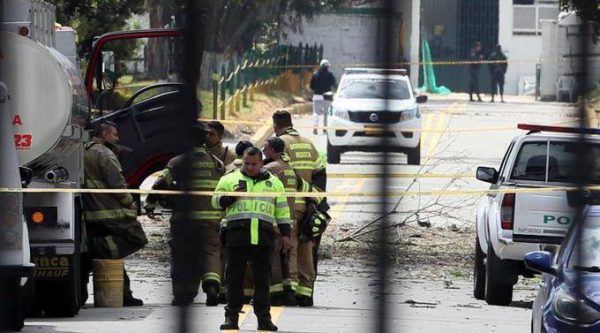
<point>486,174</point>
<point>422,99</point>
<point>328,96</point>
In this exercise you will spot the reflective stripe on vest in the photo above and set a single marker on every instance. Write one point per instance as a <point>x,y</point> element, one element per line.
<point>204,183</point>
<point>205,215</point>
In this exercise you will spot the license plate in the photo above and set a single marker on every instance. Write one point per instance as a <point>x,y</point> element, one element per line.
<point>373,129</point>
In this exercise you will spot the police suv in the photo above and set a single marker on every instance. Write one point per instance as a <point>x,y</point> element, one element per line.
<point>365,101</point>
<point>509,225</point>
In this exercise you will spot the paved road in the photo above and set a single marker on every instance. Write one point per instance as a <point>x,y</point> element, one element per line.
<point>345,289</point>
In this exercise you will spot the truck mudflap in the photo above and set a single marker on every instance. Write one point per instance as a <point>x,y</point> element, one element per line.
<point>542,217</point>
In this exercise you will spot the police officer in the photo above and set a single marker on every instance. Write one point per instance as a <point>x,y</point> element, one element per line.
<point>113,231</point>
<point>321,82</point>
<point>214,141</point>
<point>498,68</point>
<point>475,57</point>
<point>307,163</point>
<point>197,252</point>
<point>249,235</point>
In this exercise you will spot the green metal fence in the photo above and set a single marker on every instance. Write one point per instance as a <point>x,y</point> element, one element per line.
<point>235,85</point>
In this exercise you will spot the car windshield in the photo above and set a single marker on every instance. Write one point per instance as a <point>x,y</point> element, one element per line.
<point>590,250</point>
<point>374,89</point>
<point>533,162</point>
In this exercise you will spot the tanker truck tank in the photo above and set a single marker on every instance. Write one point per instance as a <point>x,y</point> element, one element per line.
<point>49,103</point>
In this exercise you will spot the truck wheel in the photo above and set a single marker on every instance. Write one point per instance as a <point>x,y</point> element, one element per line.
<point>414,155</point>
<point>479,272</point>
<point>63,298</point>
<point>12,316</point>
<point>333,154</point>
<point>497,290</point>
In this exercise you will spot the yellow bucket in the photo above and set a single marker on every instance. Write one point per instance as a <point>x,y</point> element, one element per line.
<point>108,283</point>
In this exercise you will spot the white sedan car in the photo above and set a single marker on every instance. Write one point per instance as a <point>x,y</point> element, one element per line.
<point>366,101</point>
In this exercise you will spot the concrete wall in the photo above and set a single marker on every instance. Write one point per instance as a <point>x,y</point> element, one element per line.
<point>561,47</point>
<point>352,39</point>
<point>525,49</point>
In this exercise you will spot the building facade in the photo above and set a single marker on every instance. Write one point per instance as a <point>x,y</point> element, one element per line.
<point>355,36</point>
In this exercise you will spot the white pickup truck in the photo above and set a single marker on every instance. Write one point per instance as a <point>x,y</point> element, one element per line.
<point>509,225</point>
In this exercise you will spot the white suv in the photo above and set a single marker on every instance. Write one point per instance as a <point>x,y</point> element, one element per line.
<point>360,111</point>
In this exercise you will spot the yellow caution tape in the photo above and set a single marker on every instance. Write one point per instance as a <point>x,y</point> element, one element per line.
<point>397,175</point>
<point>539,60</point>
<point>334,194</point>
<point>373,129</point>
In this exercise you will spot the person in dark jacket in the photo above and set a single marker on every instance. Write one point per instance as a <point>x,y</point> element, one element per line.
<point>112,229</point>
<point>249,234</point>
<point>321,82</point>
<point>497,71</point>
<point>475,57</point>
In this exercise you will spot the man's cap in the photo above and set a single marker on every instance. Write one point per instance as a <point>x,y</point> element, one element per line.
<point>325,63</point>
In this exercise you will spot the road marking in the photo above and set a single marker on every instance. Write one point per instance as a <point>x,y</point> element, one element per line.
<point>435,138</point>
<point>338,207</point>
<point>246,309</point>
<point>276,312</point>
<point>425,135</point>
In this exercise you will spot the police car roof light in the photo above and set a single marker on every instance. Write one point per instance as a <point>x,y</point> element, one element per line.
<point>557,129</point>
<point>389,71</point>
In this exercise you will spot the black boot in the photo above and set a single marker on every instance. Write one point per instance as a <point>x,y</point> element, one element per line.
<point>212,295</point>
<point>129,300</point>
<point>304,301</point>
<point>266,325</point>
<point>289,298</point>
<point>182,301</point>
<point>230,323</point>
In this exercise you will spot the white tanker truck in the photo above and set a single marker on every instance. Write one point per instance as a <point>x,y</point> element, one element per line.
<point>44,113</point>
<point>43,107</point>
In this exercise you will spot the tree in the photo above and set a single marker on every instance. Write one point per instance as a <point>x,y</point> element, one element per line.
<point>588,10</point>
<point>234,26</point>
<point>95,17</point>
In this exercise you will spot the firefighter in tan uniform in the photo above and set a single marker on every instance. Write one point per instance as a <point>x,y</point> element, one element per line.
<point>197,256</point>
<point>307,163</point>
<point>214,143</point>
<point>112,229</point>
<point>277,163</point>
<point>240,147</point>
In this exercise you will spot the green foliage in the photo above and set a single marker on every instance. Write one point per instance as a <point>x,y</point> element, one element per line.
<point>586,9</point>
<point>95,17</point>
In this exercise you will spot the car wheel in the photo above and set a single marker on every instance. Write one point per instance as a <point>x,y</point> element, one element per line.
<point>497,290</point>
<point>414,155</point>
<point>333,154</point>
<point>479,272</point>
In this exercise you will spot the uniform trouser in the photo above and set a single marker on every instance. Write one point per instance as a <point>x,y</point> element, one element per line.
<point>196,257</point>
<point>113,240</point>
<point>474,82</point>
<point>320,107</point>
<point>279,272</point>
<point>260,258</point>
<point>302,270</point>
<point>497,84</point>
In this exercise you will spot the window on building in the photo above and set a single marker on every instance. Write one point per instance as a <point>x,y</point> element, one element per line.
<point>527,15</point>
